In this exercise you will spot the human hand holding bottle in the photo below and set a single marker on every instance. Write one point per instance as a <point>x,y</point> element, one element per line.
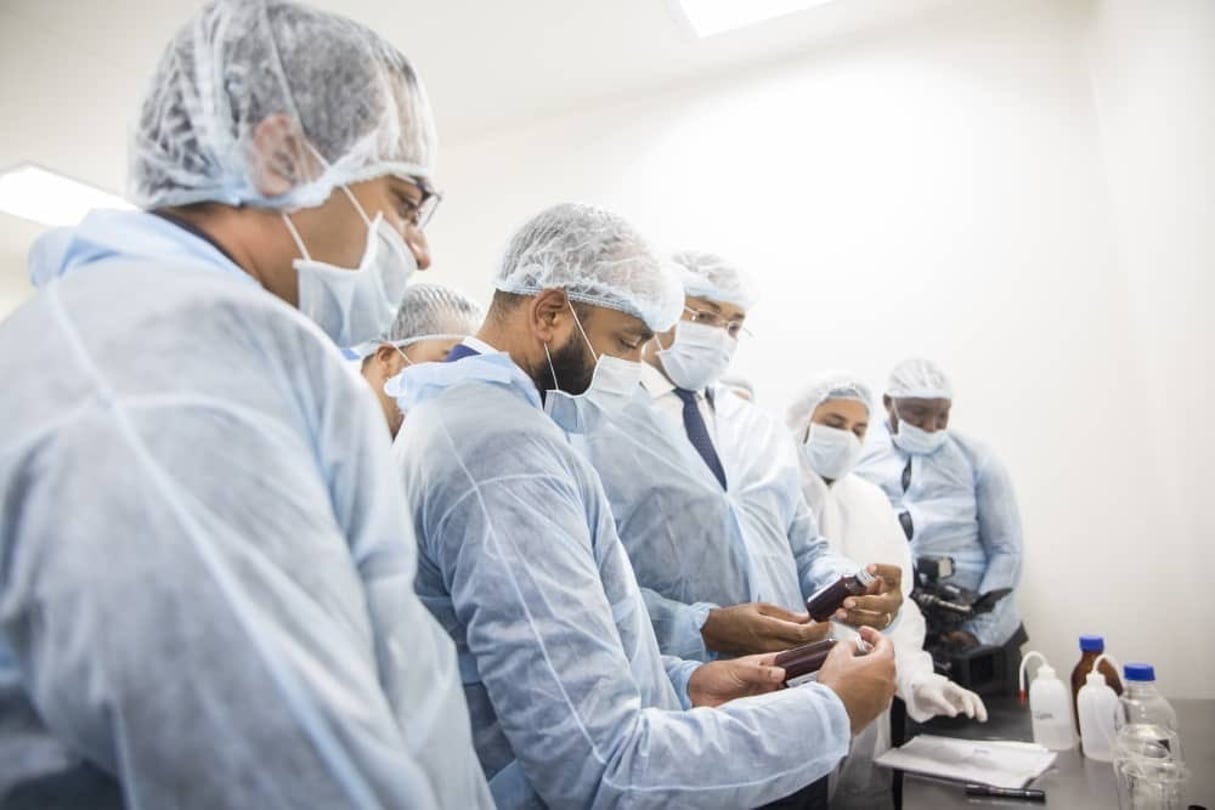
<point>864,682</point>
<point>719,682</point>
<point>758,627</point>
<point>881,602</point>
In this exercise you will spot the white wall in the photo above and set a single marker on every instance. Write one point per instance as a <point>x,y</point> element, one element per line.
<point>1153,69</point>
<point>948,188</point>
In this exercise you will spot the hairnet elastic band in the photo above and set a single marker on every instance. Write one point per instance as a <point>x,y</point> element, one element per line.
<point>369,348</point>
<point>921,393</point>
<point>247,196</point>
<point>587,298</point>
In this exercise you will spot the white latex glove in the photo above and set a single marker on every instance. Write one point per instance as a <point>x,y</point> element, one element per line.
<point>936,694</point>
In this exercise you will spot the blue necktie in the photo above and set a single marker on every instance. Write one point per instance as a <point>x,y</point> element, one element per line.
<point>459,352</point>
<point>698,434</point>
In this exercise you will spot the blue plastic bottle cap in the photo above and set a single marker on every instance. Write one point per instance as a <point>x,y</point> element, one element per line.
<point>1139,672</point>
<point>1092,644</point>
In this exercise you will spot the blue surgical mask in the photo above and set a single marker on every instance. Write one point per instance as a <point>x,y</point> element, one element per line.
<point>614,384</point>
<point>699,355</point>
<point>917,442</point>
<point>353,305</point>
<point>832,452</point>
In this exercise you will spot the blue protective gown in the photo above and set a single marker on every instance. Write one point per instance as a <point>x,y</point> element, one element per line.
<point>961,504</point>
<point>572,703</point>
<point>694,545</point>
<point>206,567</point>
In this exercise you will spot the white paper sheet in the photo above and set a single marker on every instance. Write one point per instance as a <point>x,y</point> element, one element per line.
<point>1001,763</point>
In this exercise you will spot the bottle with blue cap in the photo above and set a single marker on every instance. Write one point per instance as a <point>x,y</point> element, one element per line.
<point>1091,648</point>
<point>1149,724</point>
<point>1148,765</point>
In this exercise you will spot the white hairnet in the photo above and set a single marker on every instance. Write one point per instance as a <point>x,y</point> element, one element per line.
<point>919,378</point>
<point>706,275</point>
<point>428,312</point>
<point>345,92</point>
<point>597,258</point>
<point>827,386</point>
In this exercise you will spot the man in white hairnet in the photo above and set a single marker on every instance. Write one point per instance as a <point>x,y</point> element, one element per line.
<point>953,498</point>
<point>572,703</point>
<point>706,491</point>
<point>207,565</point>
<point>829,419</point>
<point>706,494</point>
<point>432,319</point>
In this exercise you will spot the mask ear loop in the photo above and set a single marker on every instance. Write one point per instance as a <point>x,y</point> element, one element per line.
<point>401,352</point>
<point>551,370</point>
<point>295,235</point>
<point>578,323</point>
<point>353,201</point>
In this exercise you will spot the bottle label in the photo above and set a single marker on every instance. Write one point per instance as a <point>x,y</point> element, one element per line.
<point>811,677</point>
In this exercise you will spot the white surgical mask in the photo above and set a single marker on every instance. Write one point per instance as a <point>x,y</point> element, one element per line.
<point>614,384</point>
<point>832,452</point>
<point>353,305</point>
<point>699,355</point>
<point>917,442</point>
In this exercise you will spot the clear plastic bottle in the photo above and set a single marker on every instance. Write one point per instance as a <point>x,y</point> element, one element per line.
<point>1050,705</point>
<point>1098,709</point>
<point>1149,723</point>
<point>1091,648</point>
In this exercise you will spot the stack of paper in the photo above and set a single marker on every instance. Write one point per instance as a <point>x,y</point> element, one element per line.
<point>1001,763</point>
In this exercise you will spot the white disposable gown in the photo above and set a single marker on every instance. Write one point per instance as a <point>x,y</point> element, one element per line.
<point>857,520</point>
<point>961,503</point>
<point>206,566</point>
<point>694,545</point>
<point>572,703</point>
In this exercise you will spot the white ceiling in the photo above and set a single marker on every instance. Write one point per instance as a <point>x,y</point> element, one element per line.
<point>71,71</point>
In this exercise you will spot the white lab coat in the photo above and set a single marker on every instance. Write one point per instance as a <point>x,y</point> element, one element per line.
<point>858,521</point>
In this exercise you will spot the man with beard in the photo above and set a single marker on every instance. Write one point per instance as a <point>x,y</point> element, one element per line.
<point>572,703</point>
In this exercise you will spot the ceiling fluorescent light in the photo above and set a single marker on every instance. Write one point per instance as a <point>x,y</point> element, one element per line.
<point>34,193</point>
<point>709,17</point>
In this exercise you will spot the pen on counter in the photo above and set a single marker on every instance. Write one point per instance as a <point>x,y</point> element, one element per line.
<point>1029,794</point>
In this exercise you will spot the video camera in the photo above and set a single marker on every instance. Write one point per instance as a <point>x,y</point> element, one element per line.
<point>946,607</point>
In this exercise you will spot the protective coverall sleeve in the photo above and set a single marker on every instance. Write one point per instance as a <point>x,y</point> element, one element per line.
<point>217,616</point>
<point>1000,536</point>
<point>677,625</point>
<point>680,672</point>
<point>515,549</point>
<point>817,564</point>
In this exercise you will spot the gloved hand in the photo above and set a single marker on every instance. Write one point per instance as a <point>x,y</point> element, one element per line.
<point>936,694</point>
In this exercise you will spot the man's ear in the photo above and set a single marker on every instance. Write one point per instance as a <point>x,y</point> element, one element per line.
<point>279,161</point>
<point>389,359</point>
<point>550,315</point>
<point>663,340</point>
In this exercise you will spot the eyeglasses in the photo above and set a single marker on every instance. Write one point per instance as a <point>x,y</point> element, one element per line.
<point>733,328</point>
<point>430,203</point>
<point>419,214</point>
